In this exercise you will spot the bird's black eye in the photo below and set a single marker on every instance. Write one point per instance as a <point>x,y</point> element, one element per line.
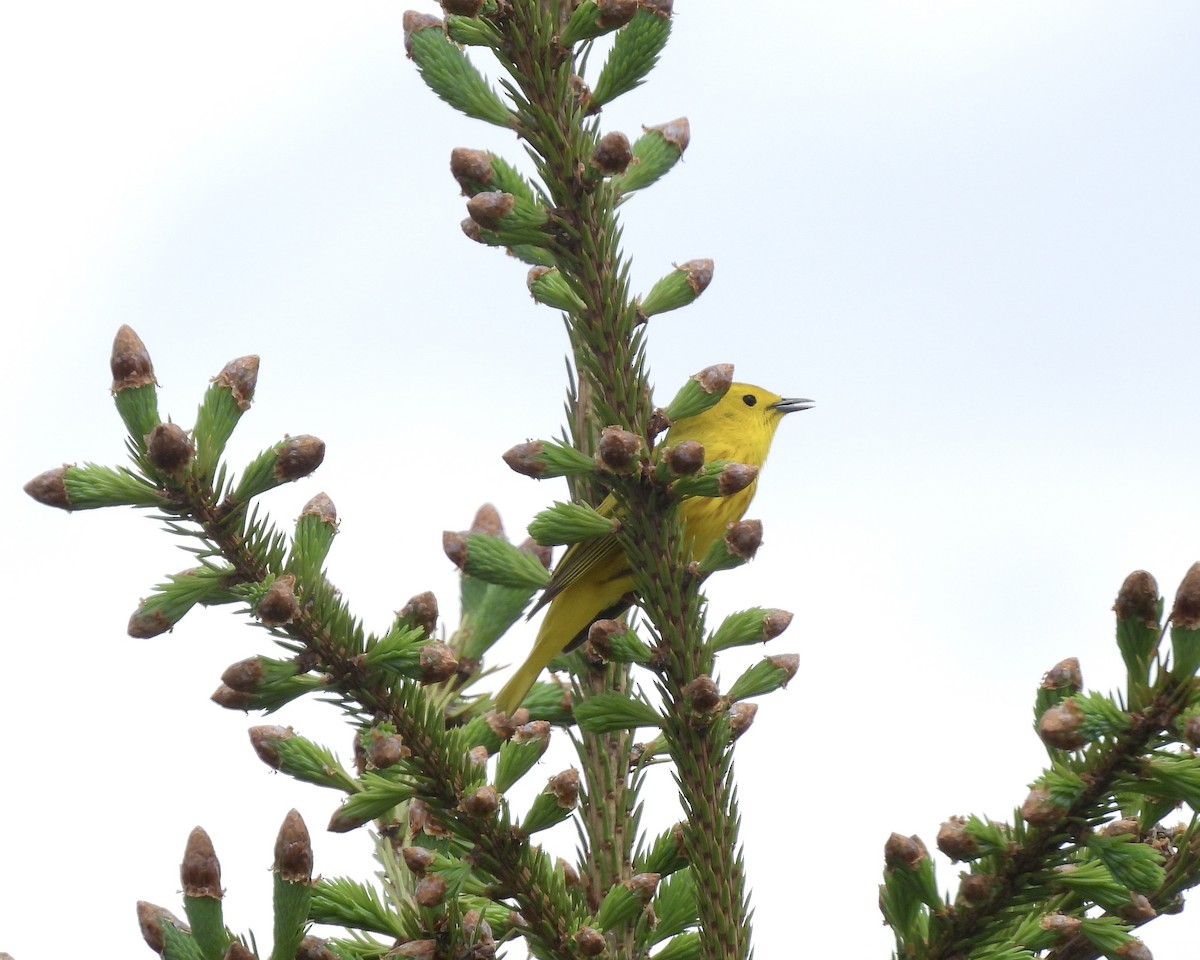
<point>749,399</point>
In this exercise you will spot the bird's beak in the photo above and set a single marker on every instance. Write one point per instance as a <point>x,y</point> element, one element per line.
<point>792,404</point>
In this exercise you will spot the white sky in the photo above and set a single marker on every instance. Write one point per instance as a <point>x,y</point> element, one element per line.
<point>968,230</point>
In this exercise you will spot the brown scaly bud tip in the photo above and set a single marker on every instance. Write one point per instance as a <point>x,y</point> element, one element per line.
<point>232,699</point>
<point>463,8</point>
<point>775,622</point>
<point>414,23</point>
<point>421,610</point>
<point>471,229</point>
<point>612,153</point>
<point>1186,612</point>
<point>244,676</point>
<point>279,605</point>
<point>745,537</point>
<point>421,820</point>
<point>686,457</point>
<point>789,663</point>
<point>703,694</point>
<point>715,379</point>
<point>536,731</point>
<point>297,457</point>
<point>470,167</point>
<point>600,636</point>
<point>479,932</point>
<point>526,459</point>
<point>50,488</point>
<point>1138,910</point>
<point>489,208</point>
<point>311,948</point>
<point>570,874</point>
<point>487,521</point>
<point>145,624</point>
<point>455,547</point>
<point>430,890</point>
<point>1039,810</point>
<point>699,274</point>
<point>905,852</point>
<point>1133,950</point>
<point>293,850</point>
<point>1064,675</point>
<point>534,275</point>
<point>659,421</point>
<point>590,941</point>
<point>478,755</point>
<point>1061,726</point>
<point>675,132</point>
<point>484,802</point>
<point>544,554</point>
<point>618,448</point>
<point>264,739</point>
<point>322,508</point>
<point>415,950</point>
<point>386,750</point>
<point>437,662</point>
<point>734,477</point>
<point>1138,599</point>
<point>954,841</point>
<point>565,788</point>
<point>504,726</point>
<point>1119,828</point>
<point>169,447</point>
<point>661,7</point>
<point>150,920</point>
<point>644,885</point>
<point>1060,924</point>
<point>130,361</point>
<point>741,716</point>
<point>240,377</point>
<point>418,859</point>
<point>975,887</point>
<point>200,872</point>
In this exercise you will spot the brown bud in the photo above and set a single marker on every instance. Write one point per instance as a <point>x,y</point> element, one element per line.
<point>741,716</point>
<point>1133,950</point>
<point>1126,826</point>
<point>703,694</point>
<point>418,859</point>
<point>471,229</point>
<point>1064,675</point>
<point>504,726</point>
<point>421,820</point>
<point>975,887</point>
<point>487,521</point>
<point>661,7</point>
<point>1039,810</point>
<point>532,732</point>
<point>264,739</point>
<point>1061,925</point>
<point>1061,726</point>
<point>789,663</point>
<point>463,8</point>
<point>240,377</point>
<point>954,841</point>
<point>484,802</point>
<point>244,676</point>
<point>478,755</point>
<point>644,885</point>
<point>279,605</point>
<point>676,132</point>
<point>297,457</point>
<point>907,852</point>
<point>715,379</point>
<point>415,950</point>
<point>591,941</point>
<point>130,361</point>
<point>151,917</point>
<point>145,624</point>
<point>293,850</point>
<point>570,874</point>
<point>169,447</point>
<point>470,168</point>
<point>430,890</point>
<point>734,477</point>
<point>544,554</point>
<point>488,209</point>
<point>1138,910</point>
<point>1191,729</point>
<point>455,547</point>
<point>321,506</point>
<point>565,787</point>
<point>618,448</point>
<point>600,635</point>
<point>385,749</point>
<point>1186,611</point>
<point>699,274</point>
<point>437,662</point>
<point>745,537</point>
<point>415,22</point>
<point>50,488</point>
<point>525,459</point>
<point>311,948</point>
<point>685,457</point>
<point>1138,599</point>
<point>239,951</point>
<point>612,153</point>
<point>422,610</point>
<point>200,872</point>
<point>775,622</point>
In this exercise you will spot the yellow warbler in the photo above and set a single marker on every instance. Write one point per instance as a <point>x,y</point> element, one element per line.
<point>593,580</point>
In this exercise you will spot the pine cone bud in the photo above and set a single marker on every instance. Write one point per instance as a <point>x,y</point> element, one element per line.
<point>1138,599</point>
<point>703,695</point>
<point>613,152</point>
<point>484,802</point>
<point>297,457</point>
<point>954,841</point>
<point>130,361</point>
<point>1039,810</point>
<point>1064,675</point>
<point>565,788</point>
<point>169,447</point>
<point>240,377</point>
<point>278,605</point>
<point>418,859</point>
<point>263,740</point>
<point>151,917</point>
<point>200,872</point>
<point>906,852</point>
<point>50,489</point>
<point>591,941</point>
<point>685,457</point>
<point>430,890</point>
<point>741,716</point>
<point>293,850</point>
<point>618,448</point>
<point>1186,611</point>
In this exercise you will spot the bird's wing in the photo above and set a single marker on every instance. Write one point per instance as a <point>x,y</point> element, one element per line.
<point>598,555</point>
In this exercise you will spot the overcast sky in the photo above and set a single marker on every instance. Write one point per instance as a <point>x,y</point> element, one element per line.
<point>968,230</point>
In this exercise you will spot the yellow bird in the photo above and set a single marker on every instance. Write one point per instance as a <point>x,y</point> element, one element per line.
<point>593,580</point>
